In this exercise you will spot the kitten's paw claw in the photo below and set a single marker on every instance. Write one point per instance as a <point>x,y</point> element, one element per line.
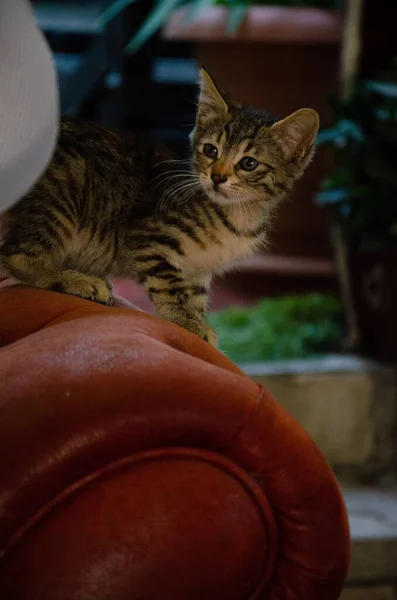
<point>211,337</point>
<point>87,287</point>
<point>205,332</point>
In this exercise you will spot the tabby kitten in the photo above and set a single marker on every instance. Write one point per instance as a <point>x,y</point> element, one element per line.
<point>108,206</point>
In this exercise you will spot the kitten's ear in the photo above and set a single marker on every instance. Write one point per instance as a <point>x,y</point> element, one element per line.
<point>211,100</point>
<point>297,133</point>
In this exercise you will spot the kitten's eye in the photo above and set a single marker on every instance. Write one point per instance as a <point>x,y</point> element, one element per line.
<point>248,163</point>
<point>210,151</point>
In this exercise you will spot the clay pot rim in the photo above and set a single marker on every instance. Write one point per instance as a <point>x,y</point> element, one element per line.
<point>265,24</point>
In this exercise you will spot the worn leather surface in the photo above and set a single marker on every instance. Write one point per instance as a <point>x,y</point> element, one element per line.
<point>139,463</point>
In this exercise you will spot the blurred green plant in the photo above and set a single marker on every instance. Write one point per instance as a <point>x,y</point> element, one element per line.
<point>280,328</point>
<point>163,9</point>
<point>362,189</point>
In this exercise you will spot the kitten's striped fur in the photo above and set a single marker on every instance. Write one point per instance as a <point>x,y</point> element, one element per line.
<point>109,207</point>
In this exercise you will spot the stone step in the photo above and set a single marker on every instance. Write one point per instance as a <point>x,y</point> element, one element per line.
<point>348,406</point>
<point>373,526</point>
<point>370,592</point>
<point>70,17</point>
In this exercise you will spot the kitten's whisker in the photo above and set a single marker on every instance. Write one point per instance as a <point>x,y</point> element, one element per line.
<point>186,181</point>
<point>188,194</point>
<point>175,190</point>
<point>245,207</point>
<point>169,178</point>
<point>173,160</point>
<point>172,171</point>
<point>183,189</point>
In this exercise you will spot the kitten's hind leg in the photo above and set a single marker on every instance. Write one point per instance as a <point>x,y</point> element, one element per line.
<point>39,235</point>
<point>39,271</point>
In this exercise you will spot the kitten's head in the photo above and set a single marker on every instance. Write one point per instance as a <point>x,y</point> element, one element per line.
<point>243,155</point>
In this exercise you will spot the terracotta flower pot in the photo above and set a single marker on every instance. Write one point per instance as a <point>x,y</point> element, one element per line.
<point>280,59</point>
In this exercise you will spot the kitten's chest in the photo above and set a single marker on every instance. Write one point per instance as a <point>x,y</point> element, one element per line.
<point>215,255</point>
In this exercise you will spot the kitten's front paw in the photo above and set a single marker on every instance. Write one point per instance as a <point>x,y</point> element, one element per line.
<point>85,286</point>
<point>205,332</point>
<point>211,337</point>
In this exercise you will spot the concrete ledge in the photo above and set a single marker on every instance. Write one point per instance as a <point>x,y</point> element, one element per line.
<point>264,24</point>
<point>370,592</point>
<point>373,525</point>
<point>348,406</point>
<point>331,363</point>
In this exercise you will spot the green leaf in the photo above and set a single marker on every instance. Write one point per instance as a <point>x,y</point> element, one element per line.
<point>156,19</point>
<point>339,134</point>
<point>280,328</point>
<point>332,196</point>
<point>114,9</point>
<point>362,187</point>
<point>384,88</point>
<point>330,136</point>
<point>236,17</point>
<point>195,8</point>
<point>351,130</point>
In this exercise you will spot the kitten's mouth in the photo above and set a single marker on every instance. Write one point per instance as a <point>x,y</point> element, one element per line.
<point>218,191</point>
<point>219,195</point>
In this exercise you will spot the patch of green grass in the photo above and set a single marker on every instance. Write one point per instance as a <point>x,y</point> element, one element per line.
<point>280,328</point>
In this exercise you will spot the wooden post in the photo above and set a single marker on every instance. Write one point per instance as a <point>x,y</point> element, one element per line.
<point>351,49</point>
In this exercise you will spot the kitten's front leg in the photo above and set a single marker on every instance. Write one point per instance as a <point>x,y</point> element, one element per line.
<point>182,302</point>
<point>40,272</point>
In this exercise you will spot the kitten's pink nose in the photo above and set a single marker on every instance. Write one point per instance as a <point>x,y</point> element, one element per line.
<point>218,178</point>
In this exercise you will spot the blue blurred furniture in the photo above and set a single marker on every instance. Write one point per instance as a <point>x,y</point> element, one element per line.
<point>151,91</point>
<point>88,50</point>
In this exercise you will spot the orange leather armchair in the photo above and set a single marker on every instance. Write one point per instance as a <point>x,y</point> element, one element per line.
<point>138,463</point>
